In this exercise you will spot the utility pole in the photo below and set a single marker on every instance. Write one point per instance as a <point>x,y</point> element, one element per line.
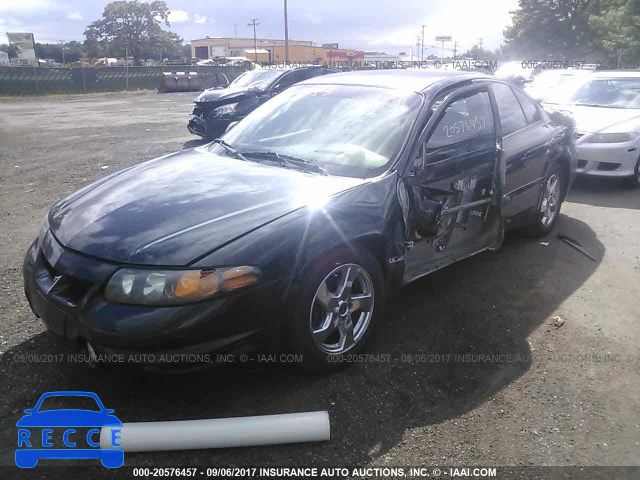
<point>418,47</point>
<point>235,29</point>
<point>286,35</point>
<point>255,41</point>
<point>455,49</point>
<point>422,51</point>
<point>480,44</point>
<point>62,47</point>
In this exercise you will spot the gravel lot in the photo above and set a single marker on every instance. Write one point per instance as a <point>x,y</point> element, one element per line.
<point>556,399</point>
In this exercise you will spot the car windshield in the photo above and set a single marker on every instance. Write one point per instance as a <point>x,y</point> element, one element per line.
<point>614,92</point>
<point>350,131</point>
<point>66,402</point>
<point>256,79</point>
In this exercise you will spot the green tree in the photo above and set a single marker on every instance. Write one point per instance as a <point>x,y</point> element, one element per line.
<point>617,27</point>
<point>10,49</point>
<point>553,29</point>
<point>134,26</point>
<point>478,53</point>
<point>73,51</point>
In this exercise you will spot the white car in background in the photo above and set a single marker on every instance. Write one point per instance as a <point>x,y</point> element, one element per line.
<point>546,83</point>
<point>606,108</point>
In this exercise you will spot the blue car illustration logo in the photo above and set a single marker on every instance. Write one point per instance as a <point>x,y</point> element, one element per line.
<point>43,434</point>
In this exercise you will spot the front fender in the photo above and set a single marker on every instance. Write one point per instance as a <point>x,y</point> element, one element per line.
<point>367,216</point>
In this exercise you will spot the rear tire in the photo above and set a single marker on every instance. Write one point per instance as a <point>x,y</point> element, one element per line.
<point>549,203</point>
<point>341,300</point>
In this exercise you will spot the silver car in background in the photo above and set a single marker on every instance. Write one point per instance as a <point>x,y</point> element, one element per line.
<point>606,109</point>
<point>547,83</point>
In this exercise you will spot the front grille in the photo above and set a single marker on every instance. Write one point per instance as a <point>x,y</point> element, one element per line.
<point>608,166</point>
<point>582,163</point>
<point>65,288</point>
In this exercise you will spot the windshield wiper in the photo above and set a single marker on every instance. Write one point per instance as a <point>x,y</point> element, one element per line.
<point>229,148</point>
<point>289,161</point>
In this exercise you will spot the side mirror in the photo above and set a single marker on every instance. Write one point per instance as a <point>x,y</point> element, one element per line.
<point>427,214</point>
<point>231,125</point>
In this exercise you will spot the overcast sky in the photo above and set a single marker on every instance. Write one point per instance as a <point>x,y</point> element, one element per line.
<point>358,24</point>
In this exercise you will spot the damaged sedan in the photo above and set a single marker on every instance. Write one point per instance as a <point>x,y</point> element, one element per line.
<point>215,109</point>
<point>290,231</point>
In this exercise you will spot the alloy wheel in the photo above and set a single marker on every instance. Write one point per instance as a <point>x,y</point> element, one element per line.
<point>550,200</point>
<point>342,309</point>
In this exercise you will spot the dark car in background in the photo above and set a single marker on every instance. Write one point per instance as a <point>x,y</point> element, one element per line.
<point>291,230</point>
<point>216,108</point>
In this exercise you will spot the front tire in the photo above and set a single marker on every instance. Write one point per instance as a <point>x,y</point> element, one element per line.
<point>634,182</point>
<point>341,300</point>
<point>550,203</point>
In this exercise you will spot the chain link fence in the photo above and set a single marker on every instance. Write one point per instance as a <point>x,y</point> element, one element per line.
<point>26,81</point>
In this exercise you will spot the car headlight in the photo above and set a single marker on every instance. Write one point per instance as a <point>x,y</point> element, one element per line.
<point>176,287</point>
<point>226,109</point>
<point>611,137</point>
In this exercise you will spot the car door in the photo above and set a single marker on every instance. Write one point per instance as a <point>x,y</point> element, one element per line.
<point>453,185</point>
<point>525,140</point>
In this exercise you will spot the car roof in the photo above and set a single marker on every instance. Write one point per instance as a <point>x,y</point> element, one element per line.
<point>416,80</point>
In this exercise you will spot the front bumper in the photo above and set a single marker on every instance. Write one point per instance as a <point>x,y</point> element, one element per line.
<point>202,123</point>
<point>607,159</point>
<point>65,290</point>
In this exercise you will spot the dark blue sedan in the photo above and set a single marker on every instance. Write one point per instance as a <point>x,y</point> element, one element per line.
<point>289,233</point>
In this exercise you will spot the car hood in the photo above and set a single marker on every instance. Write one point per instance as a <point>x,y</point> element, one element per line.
<point>226,95</point>
<point>597,119</point>
<point>174,209</point>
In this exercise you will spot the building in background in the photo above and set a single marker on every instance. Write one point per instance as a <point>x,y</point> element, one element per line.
<point>25,47</point>
<point>273,51</point>
<point>381,58</point>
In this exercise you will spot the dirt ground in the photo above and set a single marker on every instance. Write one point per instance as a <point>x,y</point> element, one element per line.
<point>478,370</point>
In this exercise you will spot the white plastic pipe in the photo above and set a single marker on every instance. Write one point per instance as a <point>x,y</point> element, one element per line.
<point>220,433</point>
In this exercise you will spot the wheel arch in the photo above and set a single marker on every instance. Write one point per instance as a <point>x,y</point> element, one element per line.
<point>374,243</point>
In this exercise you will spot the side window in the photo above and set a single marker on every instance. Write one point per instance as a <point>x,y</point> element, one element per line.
<point>464,119</point>
<point>289,79</point>
<point>530,110</point>
<point>511,115</point>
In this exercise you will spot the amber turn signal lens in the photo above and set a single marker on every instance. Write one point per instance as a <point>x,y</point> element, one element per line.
<point>196,284</point>
<point>238,277</point>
